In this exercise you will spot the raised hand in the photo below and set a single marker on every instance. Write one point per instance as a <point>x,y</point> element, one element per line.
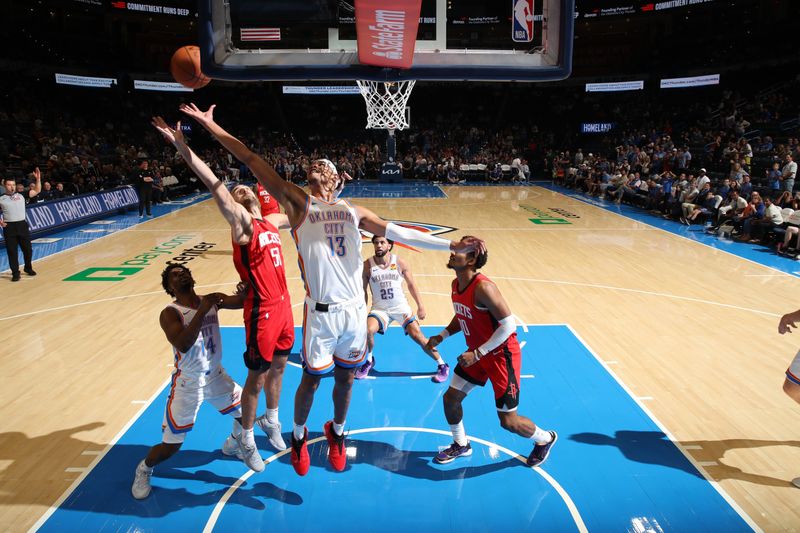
<point>205,117</point>
<point>470,244</point>
<point>37,173</point>
<point>173,135</point>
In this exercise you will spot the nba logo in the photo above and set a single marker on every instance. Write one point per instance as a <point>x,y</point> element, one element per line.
<point>522,28</point>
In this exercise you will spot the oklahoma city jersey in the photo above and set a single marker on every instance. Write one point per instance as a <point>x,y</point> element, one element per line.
<point>329,249</point>
<point>206,352</point>
<point>386,284</point>
<point>477,323</point>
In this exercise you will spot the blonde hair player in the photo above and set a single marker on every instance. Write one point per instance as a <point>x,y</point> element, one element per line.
<point>258,257</point>
<point>328,238</point>
<point>384,274</point>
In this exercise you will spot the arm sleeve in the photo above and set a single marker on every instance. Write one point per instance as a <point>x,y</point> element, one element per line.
<point>507,327</point>
<point>413,237</point>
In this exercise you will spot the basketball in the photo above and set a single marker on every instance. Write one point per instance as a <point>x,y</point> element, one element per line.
<point>185,68</point>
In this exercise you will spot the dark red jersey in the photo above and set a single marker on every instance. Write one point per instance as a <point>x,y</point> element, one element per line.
<point>260,262</point>
<point>269,204</point>
<point>477,323</point>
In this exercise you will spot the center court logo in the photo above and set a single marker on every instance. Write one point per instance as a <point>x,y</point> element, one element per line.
<point>138,262</point>
<point>424,227</point>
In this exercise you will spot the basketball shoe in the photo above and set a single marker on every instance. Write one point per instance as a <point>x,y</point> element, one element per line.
<point>363,370</point>
<point>453,452</point>
<point>541,451</point>
<point>337,453</point>
<point>141,483</point>
<point>273,432</point>
<point>300,458</point>
<point>441,373</point>
<point>250,456</point>
<point>231,447</point>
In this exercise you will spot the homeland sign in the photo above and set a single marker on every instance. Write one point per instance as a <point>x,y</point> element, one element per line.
<point>51,216</point>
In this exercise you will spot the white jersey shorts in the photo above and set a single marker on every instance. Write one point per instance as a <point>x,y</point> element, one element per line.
<point>334,334</point>
<point>793,372</point>
<point>402,315</point>
<point>188,393</point>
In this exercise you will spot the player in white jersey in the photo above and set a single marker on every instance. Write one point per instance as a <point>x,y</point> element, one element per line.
<point>191,325</point>
<point>384,274</point>
<point>326,231</point>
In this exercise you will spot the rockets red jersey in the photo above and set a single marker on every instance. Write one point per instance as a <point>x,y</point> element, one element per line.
<point>269,204</point>
<point>260,262</point>
<point>476,323</point>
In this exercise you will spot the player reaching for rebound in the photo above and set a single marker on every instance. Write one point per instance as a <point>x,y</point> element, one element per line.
<point>383,277</point>
<point>191,325</point>
<point>269,327</point>
<point>493,353</point>
<point>326,231</point>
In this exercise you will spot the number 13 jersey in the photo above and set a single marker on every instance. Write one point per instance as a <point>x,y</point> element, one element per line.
<point>329,251</point>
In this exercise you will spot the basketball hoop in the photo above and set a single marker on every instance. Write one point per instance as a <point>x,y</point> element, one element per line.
<point>386,103</point>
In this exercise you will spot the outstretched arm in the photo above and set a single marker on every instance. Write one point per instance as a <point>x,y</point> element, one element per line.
<point>236,215</point>
<point>289,195</point>
<point>377,226</point>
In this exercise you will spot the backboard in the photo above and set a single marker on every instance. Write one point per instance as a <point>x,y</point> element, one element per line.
<point>481,40</point>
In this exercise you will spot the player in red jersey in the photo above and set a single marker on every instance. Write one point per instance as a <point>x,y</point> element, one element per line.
<point>268,203</point>
<point>493,354</point>
<point>269,326</point>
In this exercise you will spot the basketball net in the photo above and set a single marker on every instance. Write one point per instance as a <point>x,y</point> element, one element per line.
<point>386,103</point>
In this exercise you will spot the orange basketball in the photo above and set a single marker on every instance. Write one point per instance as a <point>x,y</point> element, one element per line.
<point>185,68</point>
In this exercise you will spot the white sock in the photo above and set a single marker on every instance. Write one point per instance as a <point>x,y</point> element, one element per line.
<point>369,357</point>
<point>338,428</point>
<point>237,428</point>
<point>439,360</point>
<point>299,432</point>
<point>272,415</point>
<point>143,466</point>
<point>459,435</point>
<point>541,436</point>
<point>247,437</point>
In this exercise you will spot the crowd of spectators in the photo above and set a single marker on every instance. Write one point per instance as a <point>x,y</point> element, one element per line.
<point>733,171</point>
<point>86,141</point>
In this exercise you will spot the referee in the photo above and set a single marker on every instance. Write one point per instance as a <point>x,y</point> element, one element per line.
<point>15,228</point>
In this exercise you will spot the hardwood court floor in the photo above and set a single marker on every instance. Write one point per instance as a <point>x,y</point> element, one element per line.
<point>692,332</point>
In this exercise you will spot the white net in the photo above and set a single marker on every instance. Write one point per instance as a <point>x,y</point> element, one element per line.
<point>386,103</point>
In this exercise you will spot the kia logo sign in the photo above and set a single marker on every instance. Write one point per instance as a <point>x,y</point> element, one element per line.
<point>389,171</point>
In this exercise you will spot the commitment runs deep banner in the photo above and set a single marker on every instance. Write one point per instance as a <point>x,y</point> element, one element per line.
<point>387,32</point>
<point>50,216</point>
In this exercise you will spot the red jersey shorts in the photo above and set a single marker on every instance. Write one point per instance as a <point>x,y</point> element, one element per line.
<point>269,330</point>
<point>502,368</point>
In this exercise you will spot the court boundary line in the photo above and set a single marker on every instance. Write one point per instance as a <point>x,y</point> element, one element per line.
<point>571,507</point>
<point>613,288</point>
<point>99,457</point>
<point>607,210</point>
<point>725,496</point>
